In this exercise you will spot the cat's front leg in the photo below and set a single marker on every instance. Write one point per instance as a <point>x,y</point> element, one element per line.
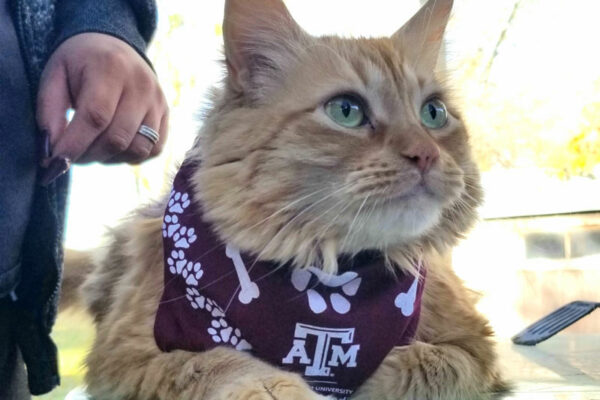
<point>218,374</point>
<point>453,356</point>
<point>423,371</point>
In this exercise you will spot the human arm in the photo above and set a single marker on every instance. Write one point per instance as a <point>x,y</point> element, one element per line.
<point>98,68</point>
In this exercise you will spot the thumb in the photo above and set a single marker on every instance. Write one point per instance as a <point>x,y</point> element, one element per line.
<point>53,101</point>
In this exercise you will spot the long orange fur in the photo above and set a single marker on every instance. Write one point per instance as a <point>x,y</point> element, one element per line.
<point>280,180</point>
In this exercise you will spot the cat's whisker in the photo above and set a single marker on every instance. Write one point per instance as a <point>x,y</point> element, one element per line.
<point>316,219</point>
<point>320,216</point>
<point>325,229</point>
<point>354,221</point>
<point>319,236</point>
<point>207,252</point>
<point>461,205</point>
<point>363,219</point>
<point>281,265</point>
<point>172,300</point>
<point>374,207</point>
<point>271,272</point>
<point>470,184</point>
<point>373,173</point>
<point>468,196</point>
<point>289,223</point>
<point>461,174</point>
<point>281,210</point>
<point>381,199</point>
<point>464,196</point>
<point>287,207</point>
<point>281,230</point>
<point>381,186</point>
<point>215,281</point>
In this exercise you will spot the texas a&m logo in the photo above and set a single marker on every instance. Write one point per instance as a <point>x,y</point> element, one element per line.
<point>331,348</point>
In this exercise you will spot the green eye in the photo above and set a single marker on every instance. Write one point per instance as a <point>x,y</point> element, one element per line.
<point>434,114</point>
<point>346,111</point>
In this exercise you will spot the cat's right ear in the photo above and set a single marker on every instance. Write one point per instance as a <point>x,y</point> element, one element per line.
<point>261,39</point>
<point>420,39</point>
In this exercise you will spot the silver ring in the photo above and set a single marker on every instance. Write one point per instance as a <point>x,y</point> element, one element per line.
<point>148,133</point>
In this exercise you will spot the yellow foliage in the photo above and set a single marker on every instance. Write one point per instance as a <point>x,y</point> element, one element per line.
<point>175,22</point>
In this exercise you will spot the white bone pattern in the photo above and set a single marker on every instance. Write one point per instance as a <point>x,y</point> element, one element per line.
<point>348,281</point>
<point>406,301</point>
<point>248,289</point>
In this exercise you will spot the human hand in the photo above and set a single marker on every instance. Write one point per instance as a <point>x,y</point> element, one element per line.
<point>113,92</point>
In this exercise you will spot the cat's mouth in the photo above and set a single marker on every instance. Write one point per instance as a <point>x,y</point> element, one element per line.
<point>405,192</point>
<point>397,215</point>
<point>421,188</point>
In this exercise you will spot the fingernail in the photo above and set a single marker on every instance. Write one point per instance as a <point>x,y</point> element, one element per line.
<point>56,167</point>
<point>45,149</point>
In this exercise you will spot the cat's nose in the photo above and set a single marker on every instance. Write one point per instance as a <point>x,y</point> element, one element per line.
<point>422,154</point>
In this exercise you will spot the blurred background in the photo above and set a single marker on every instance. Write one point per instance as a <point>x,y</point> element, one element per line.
<point>528,75</point>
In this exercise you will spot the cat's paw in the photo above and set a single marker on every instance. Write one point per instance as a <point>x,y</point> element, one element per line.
<point>279,386</point>
<point>425,371</point>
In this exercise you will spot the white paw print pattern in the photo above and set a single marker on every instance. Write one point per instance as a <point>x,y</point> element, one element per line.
<point>223,333</point>
<point>178,202</point>
<point>201,302</point>
<point>182,238</point>
<point>170,225</point>
<point>189,270</point>
<point>176,262</point>
<point>349,283</point>
<point>220,330</point>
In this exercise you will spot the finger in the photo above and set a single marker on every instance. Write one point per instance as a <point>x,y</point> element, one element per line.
<point>141,147</point>
<point>94,112</point>
<point>53,101</point>
<point>163,132</point>
<point>119,135</point>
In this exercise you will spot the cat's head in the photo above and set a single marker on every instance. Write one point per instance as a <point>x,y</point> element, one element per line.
<point>319,146</point>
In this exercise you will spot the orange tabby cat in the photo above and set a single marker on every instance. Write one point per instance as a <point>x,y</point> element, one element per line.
<point>313,148</point>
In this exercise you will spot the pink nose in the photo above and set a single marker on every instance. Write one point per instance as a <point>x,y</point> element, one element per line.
<point>422,154</point>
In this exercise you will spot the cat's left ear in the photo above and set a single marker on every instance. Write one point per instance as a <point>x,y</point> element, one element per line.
<point>420,39</point>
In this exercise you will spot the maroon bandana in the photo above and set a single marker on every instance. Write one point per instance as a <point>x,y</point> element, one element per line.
<point>334,330</point>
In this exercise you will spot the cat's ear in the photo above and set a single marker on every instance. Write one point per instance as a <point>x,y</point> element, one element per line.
<point>260,39</point>
<point>420,39</point>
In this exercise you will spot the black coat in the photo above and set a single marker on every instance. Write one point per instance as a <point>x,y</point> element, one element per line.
<point>42,25</point>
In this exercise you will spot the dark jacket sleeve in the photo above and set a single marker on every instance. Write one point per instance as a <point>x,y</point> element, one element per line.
<point>132,21</point>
